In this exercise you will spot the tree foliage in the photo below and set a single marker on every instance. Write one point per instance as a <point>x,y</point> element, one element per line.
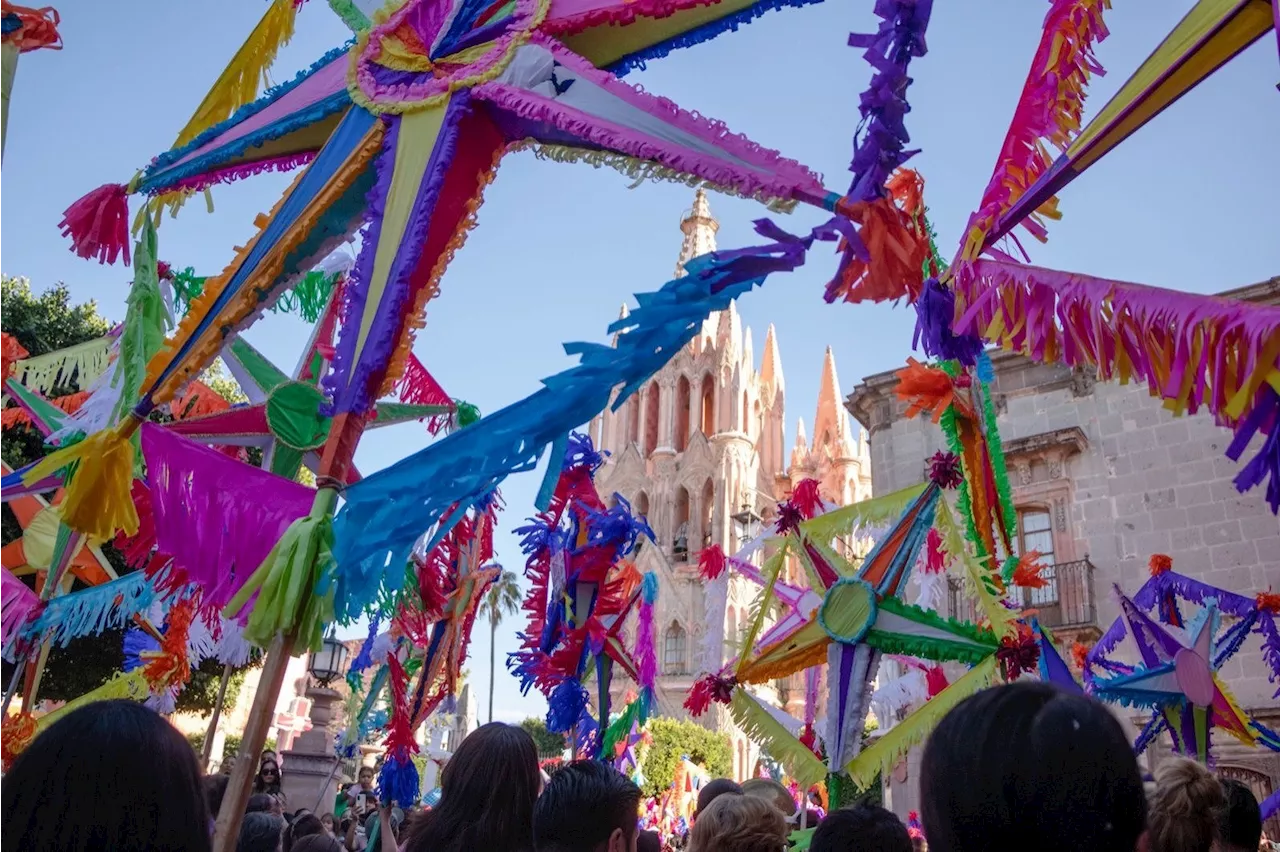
<point>47,322</point>
<point>549,744</point>
<point>673,739</point>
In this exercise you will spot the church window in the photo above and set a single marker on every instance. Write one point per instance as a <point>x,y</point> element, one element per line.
<point>708,405</point>
<point>708,505</point>
<point>673,651</point>
<point>682,414</point>
<point>633,419</point>
<point>641,506</point>
<point>680,545</point>
<point>652,406</point>
<point>1035,533</point>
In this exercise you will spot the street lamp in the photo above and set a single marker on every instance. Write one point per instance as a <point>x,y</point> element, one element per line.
<point>329,662</point>
<point>746,524</point>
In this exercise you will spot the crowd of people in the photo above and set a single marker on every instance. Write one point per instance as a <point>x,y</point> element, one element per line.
<point>1022,766</point>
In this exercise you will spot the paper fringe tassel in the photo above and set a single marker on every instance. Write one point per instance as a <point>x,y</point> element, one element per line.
<point>89,612</point>
<point>131,686</point>
<point>645,652</point>
<point>98,499</point>
<point>98,224</point>
<point>761,727</point>
<point>11,351</point>
<point>78,365</point>
<point>881,755</point>
<point>712,562</point>
<point>97,411</point>
<point>19,605</point>
<point>238,83</point>
<point>294,585</point>
<point>979,580</point>
<point>16,733</point>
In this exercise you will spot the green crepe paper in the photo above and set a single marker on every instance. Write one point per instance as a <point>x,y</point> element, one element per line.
<point>977,573</point>
<point>873,512</point>
<point>980,643</point>
<point>801,840</point>
<point>760,726</point>
<point>146,321</point>
<point>294,583</point>
<point>620,728</point>
<point>308,298</point>
<point>934,265</point>
<point>964,503</point>
<point>465,413</point>
<point>998,467</point>
<point>293,415</point>
<point>350,15</point>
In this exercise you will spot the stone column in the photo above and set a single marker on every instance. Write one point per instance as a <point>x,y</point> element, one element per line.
<point>309,779</point>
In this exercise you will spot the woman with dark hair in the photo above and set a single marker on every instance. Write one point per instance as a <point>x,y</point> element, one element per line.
<point>268,780</point>
<point>260,832</point>
<point>1031,766</point>
<point>110,775</point>
<point>487,789</point>
<point>304,824</point>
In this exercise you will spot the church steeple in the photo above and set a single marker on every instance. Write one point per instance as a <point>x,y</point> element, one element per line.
<point>771,367</point>
<point>699,228</point>
<point>830,424</point>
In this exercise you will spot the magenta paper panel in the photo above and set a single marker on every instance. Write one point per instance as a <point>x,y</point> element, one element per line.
<point>249,422</point>
<point>324,82</point>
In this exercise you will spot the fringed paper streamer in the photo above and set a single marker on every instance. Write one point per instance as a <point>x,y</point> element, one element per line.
<point>97,500</point>
<point>145,325</point>
<point>760,726</point>
<point>900,693</point>
<point>11,351</point>
<point>294,583</point>
<point>619,730</point>
<point>1270,633</point>
<point>639,171</point>
<point>177,192</point>
<point>96,412</point>
<point>18,606</point>
<point>712,562</point>
<point>31,29</point>
<point>1265,465</point>
<point>238,83</point>
<point>92,610</point>
<point>565,705</point>
<point>858,517</point>
<point>930,389</point>
<point>927,635</point>
<point>995,449</point>
<point>16,733</point>
<point>645,650</point>
<point>78,366</point>
<point>883,260</point>
<point>881,755</point>
<point>308,298</point>
<point>386,512</point>
<point>715,599</point>
<point>98,224</point>
<point>69,404</point>
<point>130,687</point>
<point>761,607</point>
<point>980,580</point>
<point>398,780</point>
<point>1049,111</point>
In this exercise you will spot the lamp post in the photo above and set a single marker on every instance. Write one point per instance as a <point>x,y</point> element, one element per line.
<point>309,775</point>
<point>746,525</point>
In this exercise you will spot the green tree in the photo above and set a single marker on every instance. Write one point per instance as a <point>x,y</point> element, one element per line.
<point>549,744</point>
<point>49,321</point>
<point>502,599</point>
<point>673,739</point>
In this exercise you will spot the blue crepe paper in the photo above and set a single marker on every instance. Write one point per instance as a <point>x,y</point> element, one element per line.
<point>90,611</point>
<point>385,513</point>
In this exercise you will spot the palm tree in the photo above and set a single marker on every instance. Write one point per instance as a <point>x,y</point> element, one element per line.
<point>502,599</point>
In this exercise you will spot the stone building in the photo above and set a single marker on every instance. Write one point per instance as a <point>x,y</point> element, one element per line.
<point>701,443</point>
<point>1103,477</point>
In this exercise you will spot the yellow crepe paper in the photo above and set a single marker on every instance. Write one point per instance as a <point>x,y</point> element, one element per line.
<point>98,498</point>
<point>873,512</point>
<point>131,686</point>
<point>915,729</point>
<point>979,579</point>
<point>761,727</point>
<point>238,83</point>
<point>86,361</point>
<point>246,302</point>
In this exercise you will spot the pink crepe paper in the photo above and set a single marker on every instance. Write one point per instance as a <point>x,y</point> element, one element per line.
<point>646,654</point>
<point>217,517</point>
<point>230,174</point>
<point>567,17</point>
<point>20,605</point>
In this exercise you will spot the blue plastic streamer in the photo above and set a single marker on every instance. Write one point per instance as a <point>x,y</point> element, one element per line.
<point>385,513</point>
<point>90,611</point>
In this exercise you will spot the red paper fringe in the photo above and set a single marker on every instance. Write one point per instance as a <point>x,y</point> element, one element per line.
<point>98,224</point>
<point>712,562</point>
<point>806,498</point>
<point>1159,564</point>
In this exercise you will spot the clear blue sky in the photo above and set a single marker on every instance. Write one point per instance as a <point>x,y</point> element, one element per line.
<point>1188,203</point>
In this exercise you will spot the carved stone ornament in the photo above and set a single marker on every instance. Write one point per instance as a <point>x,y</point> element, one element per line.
<point>1024,473</point>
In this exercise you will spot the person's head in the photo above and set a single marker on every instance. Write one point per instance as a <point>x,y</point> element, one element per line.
<point>713,790</point>
<point>228,765</point>
<point>110,775</point>
<point>587,806</point>
<point>771,791</point>
<point>1029,765</point>
<point>865,828</point>
<point>738,824</point>
<point>260,832</point>
<point>317,843</point>
<point>215,787</point>
<point>268,778</point>
<point>268,754</point>
<point>1240,824</point>
<point>261,803</point>
<point>1185,807</point>
<point>648,841</point>
<point>327,821</point>
<point>365,776</point>
<point>487,792</point>
<point>302,826</point>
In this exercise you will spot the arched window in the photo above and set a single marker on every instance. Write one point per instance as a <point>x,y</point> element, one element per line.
<point>708,509</point>
<point>673,651</point>
<point>708,405</point>
<point>1035,533</point>
<point>680,544</point>
<point>641,506</point>
<point>682,414</point>
<point>652,407</point>
<point>633,419</point>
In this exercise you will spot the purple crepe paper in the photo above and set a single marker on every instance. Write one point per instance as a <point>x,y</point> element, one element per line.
<point>219,518</point>
<point>1150,731</point>
<point>1266,464</point>
<point>1266,626</point>
<point>935,312</point>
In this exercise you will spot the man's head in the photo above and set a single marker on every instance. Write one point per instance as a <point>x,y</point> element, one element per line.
<point>586,807</point>
<point>865,828</point>
<point>1240,824</point>
<point>712,790</point>
<point>267,754</point>
<point>771,791</point>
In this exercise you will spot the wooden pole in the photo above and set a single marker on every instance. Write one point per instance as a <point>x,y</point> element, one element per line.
<point>207,751</point>
<point>261,716</point>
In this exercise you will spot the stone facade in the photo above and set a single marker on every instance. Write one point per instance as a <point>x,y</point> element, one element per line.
<point>1104,477</point>
<point>697,445</point>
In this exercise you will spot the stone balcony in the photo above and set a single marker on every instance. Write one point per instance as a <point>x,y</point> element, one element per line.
<point>1067,605</point>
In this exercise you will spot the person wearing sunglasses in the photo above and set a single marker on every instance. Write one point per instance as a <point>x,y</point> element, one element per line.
<point>268,780</point>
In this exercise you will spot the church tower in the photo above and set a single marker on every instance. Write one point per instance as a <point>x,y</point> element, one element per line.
<point>701,442</point>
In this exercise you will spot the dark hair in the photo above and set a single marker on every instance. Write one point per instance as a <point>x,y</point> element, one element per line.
<point>303,826</point>
<point>487,790</point>
<point>215,787</point>
<point>1241,825</point>
<point>648,841</point>
<point>260,832</point>
<point>259,803</point>
<point>1030,765</point>
<point>865,828</point>
<point>109,775</point>
<point>581,807</point>
<point>260,784</point>
<point>714,789</point>
<point>317,843</point>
